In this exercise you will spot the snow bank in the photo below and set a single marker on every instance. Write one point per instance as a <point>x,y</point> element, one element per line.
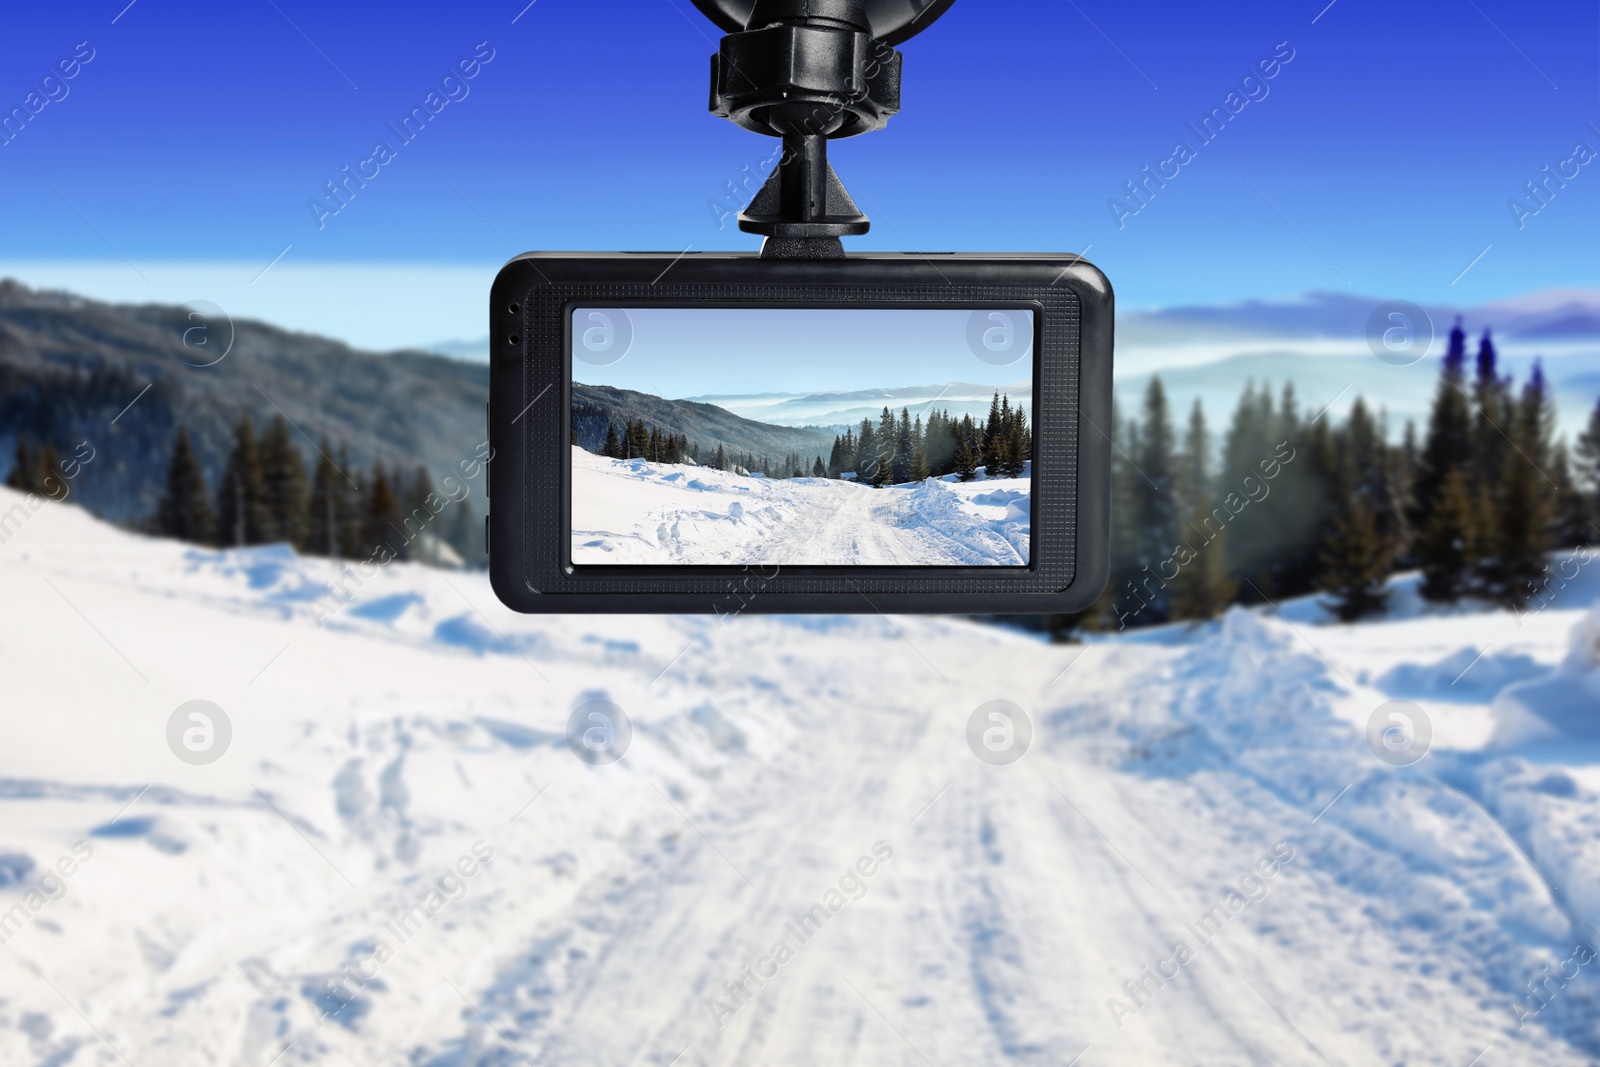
<point>1563,704</point>
<point>1583,653</point>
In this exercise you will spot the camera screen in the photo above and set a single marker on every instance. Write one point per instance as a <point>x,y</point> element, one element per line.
<point>786,437</point>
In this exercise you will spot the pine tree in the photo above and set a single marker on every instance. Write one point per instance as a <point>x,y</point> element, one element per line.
<point>903,447</point>
<point>325,508</point>
<point>991,437</point>
<point>1194,475</point>
<point>920,470</point>
<point>1522,538</point>
<point>967,452</point>
<point>1448,445</point>
<point>940,443</point>
<point>21,477</point>
<point>51,480</point>
<point>1369,466</point>
<point>1587,458</point>
<point>1122,603</point>
<point>1157,531</point>
<point>1203,589</point>
<point>1288,413</point>
<point>1575,516</point>
<point>352,510</point>
<point>38,470</point>
<point>1409,452</point>
<point>999,442</point>
<point>1451,543</point>
<point>1019,442</point>
<point>1526,513</point>
<point>414,501</point>
<point>466,535</point>
<point>1355,564</point>
<point>185,512</point>
<point>998,450</point>
<point>1491,423</point>
<point>818,470</point>
<point>866,452</point>
<point>1290,534</point>
<point>1405,484</point>
<point>883,471</point>
<point>1258,544</point>
<point>887,430</point>
<point>383,516</point>
<point>613,445</point>
<point>283,486</point>
<point>241,498</point>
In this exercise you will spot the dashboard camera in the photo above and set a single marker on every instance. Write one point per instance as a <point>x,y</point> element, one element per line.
<point>801,430</point>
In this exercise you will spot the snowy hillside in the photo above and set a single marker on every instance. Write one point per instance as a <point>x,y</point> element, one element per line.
<point>636,512</point>
<point>798,860</point>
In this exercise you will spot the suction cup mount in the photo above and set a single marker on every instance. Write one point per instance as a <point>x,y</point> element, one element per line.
<point>809,71</point>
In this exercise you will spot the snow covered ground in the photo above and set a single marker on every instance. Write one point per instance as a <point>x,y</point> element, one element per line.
<point>636,512</point>
<point>397,860</point>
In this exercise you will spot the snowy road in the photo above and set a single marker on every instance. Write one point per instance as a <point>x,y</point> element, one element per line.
<point>798,781</point>
<point>635,512</point>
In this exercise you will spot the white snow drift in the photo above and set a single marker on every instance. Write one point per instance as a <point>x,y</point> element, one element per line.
<point>398,862</point>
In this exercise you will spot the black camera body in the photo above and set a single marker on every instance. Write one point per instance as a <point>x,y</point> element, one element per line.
<point>611,493</point>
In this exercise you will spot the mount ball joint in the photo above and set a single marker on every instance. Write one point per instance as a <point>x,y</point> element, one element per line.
<point>809,71</point>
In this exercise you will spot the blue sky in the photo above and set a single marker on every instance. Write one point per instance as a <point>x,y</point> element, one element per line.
<point>697,352</point>
<point>1379,160</point>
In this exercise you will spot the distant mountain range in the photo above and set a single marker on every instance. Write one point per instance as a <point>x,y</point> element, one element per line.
<point>1569,315</point>
<point>119,377</point>
<point>837,409</point>
<point>707,425</point>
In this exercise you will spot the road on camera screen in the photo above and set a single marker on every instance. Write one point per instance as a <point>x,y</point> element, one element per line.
<point>638,512</point>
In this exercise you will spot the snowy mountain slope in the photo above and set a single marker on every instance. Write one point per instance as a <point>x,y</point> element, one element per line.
<point>69,367</point>
<point>707,425</point>
<point>305,897</point>
<point>637,512</point>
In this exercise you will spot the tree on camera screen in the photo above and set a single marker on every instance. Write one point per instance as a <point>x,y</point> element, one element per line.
<point>802,436</point>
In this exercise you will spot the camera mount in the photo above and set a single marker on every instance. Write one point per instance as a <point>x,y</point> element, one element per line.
<point>809,71</point>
